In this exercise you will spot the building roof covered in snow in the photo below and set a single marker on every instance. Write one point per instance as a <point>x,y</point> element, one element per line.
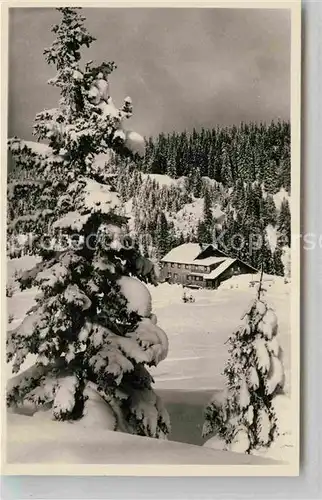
<point>220,269</point>
<point>183,254</point>
<point>198,255</point>
<point>208,261</point>
<point>189,253</point>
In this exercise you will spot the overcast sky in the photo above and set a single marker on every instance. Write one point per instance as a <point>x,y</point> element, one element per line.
<point>183,68</point>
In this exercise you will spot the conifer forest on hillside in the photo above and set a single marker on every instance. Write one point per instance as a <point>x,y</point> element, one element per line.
<point>113,346</point>
<point>173,194</point>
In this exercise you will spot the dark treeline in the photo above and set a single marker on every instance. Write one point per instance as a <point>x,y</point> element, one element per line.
<point>250,152</point>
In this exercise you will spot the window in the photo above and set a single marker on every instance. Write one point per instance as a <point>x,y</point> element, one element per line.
<point>169,275</point>
<point>188,277</point>
<point>205,269</point>
<point>175,276</point>
<point>187,266</point>
<point>179,266</point>
<point>172,264</point>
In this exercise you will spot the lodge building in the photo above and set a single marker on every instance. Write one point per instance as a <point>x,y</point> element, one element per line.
<point>200,266</point>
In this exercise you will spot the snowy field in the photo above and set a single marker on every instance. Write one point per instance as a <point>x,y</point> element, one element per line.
<point>186,379</point>
<point>198,331</point>
<point>193,371</point>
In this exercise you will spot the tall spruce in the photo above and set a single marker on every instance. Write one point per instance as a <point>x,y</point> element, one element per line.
<point>284,224</point>
<point>91,328</point>
<point>162,237</point>
<point>205,227</point>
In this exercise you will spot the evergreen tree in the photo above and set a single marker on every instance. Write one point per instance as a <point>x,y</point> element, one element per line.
<point>196,182</point>
<point>238,196</point>
<point>91,328</point>
<point>202,234</point>
<point>284,224</point>
<point>246,420</point>
<point>270,182</point>
<point>205,227</point>
<point>269,211</point>
<point>266,258</point>
<point>278,262</point>
<point>226,169</point>
<point>285,169</point>
<point>171,167</point>
<point>162,235</point>
<point>181,239</point>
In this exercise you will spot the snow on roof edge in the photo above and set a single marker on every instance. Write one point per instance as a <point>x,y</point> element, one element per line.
<point>220,269</point>
<point>184,253</point>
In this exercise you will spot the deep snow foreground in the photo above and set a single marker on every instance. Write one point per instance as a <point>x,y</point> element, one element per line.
<point>197,332</point>
<point>197,355</point>
<point>34,440</point>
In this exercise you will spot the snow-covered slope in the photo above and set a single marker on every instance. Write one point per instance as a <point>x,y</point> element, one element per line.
<point>164,180</point>
<point>186,219</point>
<point>32,440</point>
<point>279,197</point>
<point>271,235</point>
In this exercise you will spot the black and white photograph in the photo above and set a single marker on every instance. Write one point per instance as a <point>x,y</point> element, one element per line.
<point>152,215</point>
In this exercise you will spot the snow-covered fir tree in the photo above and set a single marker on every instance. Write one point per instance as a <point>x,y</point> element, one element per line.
<point>206,225</point>
<point>92,327</point>
<point>245,420</point>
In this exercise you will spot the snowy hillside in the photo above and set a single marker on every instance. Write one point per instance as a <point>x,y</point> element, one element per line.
<point>164,180</point>
<point>33,440</point>
<point>186,220</point>
<point>164,211</point>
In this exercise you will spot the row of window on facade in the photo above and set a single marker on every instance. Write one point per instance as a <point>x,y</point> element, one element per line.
<point>189,267</point>
<point>189,278</point>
